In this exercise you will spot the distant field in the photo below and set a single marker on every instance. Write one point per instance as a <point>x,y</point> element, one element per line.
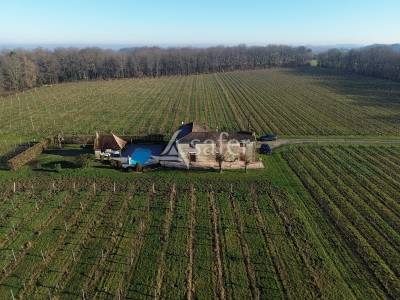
<point>319,222</point>
<point>287,102</point>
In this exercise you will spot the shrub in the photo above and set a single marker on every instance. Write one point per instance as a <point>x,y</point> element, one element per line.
<point>83,161</point>
<point>138,167</point>
<point>115,164</point>
<point>58,168</point>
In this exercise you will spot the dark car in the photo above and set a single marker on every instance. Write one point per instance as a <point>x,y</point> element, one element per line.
<point>265,149</point>
<point>268,138</point>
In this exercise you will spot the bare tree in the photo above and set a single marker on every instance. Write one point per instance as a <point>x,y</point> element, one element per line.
<point>220,158</point>
<point>25,69</point>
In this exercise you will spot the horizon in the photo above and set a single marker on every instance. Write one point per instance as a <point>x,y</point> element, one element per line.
<point>178,23</point>
<point>117,47</point>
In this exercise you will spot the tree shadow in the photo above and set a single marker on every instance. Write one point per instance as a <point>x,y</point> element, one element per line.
<point>361,90</point>
<point>68,152</point>
<point>65,164</point>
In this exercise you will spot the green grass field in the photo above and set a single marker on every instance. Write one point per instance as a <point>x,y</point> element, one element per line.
<point>319,222</point>
<point>288,102</point>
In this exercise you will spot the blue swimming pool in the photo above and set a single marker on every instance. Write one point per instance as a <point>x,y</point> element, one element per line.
<point>142,153</point>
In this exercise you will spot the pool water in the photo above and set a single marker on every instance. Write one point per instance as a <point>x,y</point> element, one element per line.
<point>142,153</point>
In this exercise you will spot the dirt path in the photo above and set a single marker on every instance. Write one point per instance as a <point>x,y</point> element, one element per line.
<point>334,140</point>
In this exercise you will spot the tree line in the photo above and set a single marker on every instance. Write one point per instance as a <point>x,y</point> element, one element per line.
<point>23,69</point>
<point>380,61</point>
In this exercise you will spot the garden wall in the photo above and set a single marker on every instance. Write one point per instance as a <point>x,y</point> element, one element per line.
<point>27,155</point>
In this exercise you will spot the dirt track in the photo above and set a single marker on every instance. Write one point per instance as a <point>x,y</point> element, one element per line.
<point>338,140</point>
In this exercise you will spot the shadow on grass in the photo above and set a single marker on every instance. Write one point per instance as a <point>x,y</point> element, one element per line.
<point>363,90</point>
<point>68,152</point>
<point>52,166</point>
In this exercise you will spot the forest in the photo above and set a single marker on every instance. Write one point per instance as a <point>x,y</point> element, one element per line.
<point>380,61</point>
<point>23,69</point>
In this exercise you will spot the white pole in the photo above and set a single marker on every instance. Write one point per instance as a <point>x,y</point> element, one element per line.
<point>15,187</point>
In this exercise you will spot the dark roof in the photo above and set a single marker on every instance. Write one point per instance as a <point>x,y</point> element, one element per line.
<point>190,127</point>
<point>201,137</point>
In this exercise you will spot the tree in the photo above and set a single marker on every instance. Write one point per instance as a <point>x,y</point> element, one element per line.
<point>377,61</point>
<point>28,73</point>
<point>11,71</point>
<point>220,158</point>
<point>25,69</point>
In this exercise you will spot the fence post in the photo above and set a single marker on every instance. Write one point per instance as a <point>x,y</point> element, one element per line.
<point>94,187</point>
<point>15,259</point>
<point>114,186</point>
<point>14,187</point>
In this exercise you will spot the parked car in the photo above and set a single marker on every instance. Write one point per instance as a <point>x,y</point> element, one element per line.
<point>268,138</point>
<point>265,149</point>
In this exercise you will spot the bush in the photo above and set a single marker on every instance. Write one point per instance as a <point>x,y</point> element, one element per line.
<point>138,167</point>
<point>58,168</point>
<point>83,161</point>
<point>115,164</point>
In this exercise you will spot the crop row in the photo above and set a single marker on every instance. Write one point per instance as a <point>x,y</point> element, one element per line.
<point>193,240</point>
<point>280,101</point>
<point>360,210</point>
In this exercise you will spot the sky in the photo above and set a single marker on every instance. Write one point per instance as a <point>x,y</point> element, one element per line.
<point>200,22</point>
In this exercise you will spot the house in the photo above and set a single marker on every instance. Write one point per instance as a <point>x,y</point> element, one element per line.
<point>107,145</point>
<point>191,147</point>
<point>194,146</point>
